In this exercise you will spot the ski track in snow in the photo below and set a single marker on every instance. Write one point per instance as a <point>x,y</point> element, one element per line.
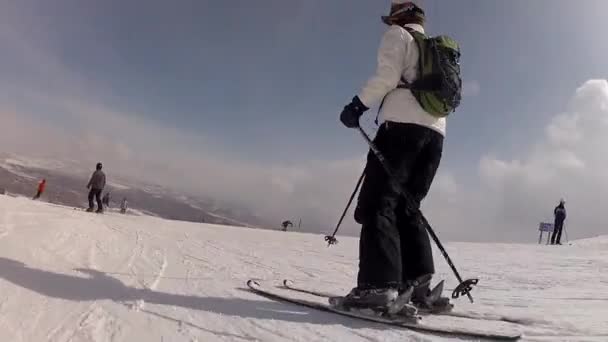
<point>68,275</point>
<point>7,225</point>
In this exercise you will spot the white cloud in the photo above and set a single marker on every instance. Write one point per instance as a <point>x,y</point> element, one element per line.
<point>513,196</point>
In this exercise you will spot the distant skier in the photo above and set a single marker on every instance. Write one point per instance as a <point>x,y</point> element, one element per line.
<point>395,253</point>
<point>96,184</point>
<point>123,206</point>
<point>41,188</point>
<point>106,199</point>
<point>286,224</point>
<point>560,216</point>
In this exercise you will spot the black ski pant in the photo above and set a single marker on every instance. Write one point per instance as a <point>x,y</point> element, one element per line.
<point>556,237</point>
<point>394,246</point>
<point>95,194</point>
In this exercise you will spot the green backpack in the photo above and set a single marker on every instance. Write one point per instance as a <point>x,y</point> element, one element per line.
<point>439,86</point>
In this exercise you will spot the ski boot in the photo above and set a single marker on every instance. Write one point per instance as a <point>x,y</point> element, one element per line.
<point>427,300</point>
<point>387,303</point>
<point>374,299</point>
<point>89,210</point>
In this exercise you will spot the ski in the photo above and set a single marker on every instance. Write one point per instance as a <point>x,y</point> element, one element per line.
<point>435,325</point>
<point>290,285</point>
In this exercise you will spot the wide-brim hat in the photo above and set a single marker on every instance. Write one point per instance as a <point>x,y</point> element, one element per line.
<point>404,9</point>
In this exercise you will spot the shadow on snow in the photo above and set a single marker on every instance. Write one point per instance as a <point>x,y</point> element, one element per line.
<point>98,286</point>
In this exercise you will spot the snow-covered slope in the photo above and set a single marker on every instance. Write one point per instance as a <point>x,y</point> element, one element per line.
<point>66,275</point>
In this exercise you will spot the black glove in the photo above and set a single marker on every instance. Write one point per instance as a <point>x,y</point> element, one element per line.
<point>352,112</point>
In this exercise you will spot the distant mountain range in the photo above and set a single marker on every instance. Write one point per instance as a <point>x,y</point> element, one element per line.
<point>66,185</point>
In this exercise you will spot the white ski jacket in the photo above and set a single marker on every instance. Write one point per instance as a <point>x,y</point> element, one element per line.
<point>398,56</point>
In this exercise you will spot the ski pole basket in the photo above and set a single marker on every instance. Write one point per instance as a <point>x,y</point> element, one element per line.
<point>464,288</point>
<point>331,240</point>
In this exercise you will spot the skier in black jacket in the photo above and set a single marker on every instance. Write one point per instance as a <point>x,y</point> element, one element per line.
<point>560,216</point>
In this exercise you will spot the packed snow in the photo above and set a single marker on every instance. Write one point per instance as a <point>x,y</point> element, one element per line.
<point>68,275</point>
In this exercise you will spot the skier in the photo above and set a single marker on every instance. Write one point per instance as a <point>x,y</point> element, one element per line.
<point>106,199</point>
<point>286,224</point>
<point>560,216</point>
<point>395,250</point>
<point>41,188</point>
<point>96,185</point>
<point>123,206</point>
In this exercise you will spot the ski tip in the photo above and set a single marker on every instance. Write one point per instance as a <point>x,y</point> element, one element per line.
<point>253,283</point>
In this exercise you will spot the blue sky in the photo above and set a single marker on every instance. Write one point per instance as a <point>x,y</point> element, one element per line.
<point>263,82</point>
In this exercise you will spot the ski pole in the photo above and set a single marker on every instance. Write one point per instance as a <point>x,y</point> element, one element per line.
<point>331,240</point>
<point>464,287</point>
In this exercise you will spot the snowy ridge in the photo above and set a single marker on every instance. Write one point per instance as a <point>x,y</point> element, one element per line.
<point>34,163</point>
<point>16,170</point>
<point>119,186</point>
<point>68,275</point>
<point>230,220</point>
<point>20,165</point>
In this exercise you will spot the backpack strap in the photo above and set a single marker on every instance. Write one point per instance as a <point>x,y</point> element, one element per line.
<point>406,84</point>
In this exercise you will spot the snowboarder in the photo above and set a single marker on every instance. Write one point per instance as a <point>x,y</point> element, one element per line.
<point>395,250</point>
<point>96,185</point>
<point>560,216</point>
<point>123,206</point>
<point>41,188</point>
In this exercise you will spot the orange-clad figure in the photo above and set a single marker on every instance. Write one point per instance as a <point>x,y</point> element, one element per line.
<point>41,188</point>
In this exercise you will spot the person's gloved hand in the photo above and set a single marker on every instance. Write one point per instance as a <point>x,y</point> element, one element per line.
<point>352,112</point>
